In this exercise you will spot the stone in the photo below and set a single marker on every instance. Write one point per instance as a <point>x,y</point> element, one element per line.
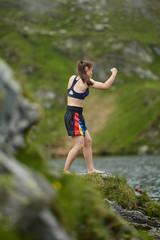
<point>25,200</point>
<point>45,94</point>
<point>24,187</point>
<point>17,113</point>
<point>157,50</point>
<point>155,233</point>
<point>143,150</point>
<point>136,218</point>
<point>46,226</point>
<point>99,27</point>
<point>134,49</point>
<point>145,73</point>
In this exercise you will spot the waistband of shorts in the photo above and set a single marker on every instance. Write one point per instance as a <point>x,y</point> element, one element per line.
<point>75,109</point>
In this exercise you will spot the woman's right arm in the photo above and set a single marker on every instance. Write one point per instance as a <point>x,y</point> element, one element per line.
<point>106,85</point>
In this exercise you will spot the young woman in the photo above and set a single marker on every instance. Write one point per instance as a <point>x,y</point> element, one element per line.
<point>78,89</point>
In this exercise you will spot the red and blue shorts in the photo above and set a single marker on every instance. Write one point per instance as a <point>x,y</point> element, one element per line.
<point>74,121</point>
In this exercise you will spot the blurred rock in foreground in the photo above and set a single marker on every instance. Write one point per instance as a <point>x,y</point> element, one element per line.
<point>17,114</point>
<point>25,196</point>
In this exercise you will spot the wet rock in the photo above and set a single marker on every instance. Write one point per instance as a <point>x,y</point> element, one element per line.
<point>155,233</point>
<point>136,218</point>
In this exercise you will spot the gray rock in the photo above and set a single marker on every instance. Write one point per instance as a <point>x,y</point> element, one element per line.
<point>155,233</point>
<point>18,142</point>
<point>45,226</point>
<point>134,49</point>
<point>143,150</point>
<point>99,27</point>
<point>45,94</point>
<point>25,198</point>
<point>157,50</point>
<point>24,187</point>
<point>136,218</point>
<point>17,113</point>
<point>145,73</point>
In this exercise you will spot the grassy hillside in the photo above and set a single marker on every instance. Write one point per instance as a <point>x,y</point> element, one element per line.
<point>42,41</point>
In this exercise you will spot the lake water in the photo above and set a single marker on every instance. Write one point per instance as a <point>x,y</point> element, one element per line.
<point>141,171</point>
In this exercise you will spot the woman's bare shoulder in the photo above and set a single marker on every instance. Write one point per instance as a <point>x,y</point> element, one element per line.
<point>71,80</point>
<point>73,76</point>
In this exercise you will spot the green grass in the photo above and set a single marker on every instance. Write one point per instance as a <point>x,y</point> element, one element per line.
<point>116,189</point>
<point>80,207</point>
<point>52,68</point>
<point>137,106</point>
<point>132,24</point>
<point>8,234</point>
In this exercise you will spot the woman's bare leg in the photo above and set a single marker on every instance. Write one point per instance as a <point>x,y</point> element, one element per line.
<point>78,146</point>
<point>87,152</point>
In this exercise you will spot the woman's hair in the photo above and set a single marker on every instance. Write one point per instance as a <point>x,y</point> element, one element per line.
<point>81,70</point>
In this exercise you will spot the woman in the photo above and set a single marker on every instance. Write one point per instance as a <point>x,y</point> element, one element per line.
<point>78,89</point>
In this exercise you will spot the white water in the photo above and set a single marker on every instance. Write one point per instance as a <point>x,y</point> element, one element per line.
<point>141,171</point>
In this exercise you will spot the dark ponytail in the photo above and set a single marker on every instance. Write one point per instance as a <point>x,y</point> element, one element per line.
<point>81,71</point>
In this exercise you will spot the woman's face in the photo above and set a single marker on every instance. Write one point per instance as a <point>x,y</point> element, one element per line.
<point>89,71</point>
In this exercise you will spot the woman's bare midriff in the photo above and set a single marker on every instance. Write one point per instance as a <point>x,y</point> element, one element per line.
<point>75,102</point>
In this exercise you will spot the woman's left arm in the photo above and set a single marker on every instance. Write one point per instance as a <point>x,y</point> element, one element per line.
<point>106,85</point>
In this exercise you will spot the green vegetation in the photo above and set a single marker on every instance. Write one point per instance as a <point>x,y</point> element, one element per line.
<point>137,108</point>
<point>83,212</point>
<point>7,234</point>
<point>43,52</point>
<point>153,209</point>
<point>116,189</point>
<point>42,49</point>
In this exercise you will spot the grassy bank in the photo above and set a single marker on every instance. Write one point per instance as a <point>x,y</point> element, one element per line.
<point>81,209</point>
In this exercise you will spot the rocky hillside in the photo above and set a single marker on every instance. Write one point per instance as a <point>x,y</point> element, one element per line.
<point>42,40</point>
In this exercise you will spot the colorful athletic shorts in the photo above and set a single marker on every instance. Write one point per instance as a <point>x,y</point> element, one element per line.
<point>74,121</point>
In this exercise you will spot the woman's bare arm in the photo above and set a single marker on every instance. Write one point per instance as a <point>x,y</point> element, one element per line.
<point>107,83</point>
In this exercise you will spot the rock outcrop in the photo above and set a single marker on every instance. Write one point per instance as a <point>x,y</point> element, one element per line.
<point>25,196</point>
<point>137,219</point>
<point>17,114</point>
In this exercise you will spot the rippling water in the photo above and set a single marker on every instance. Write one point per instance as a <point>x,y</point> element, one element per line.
<point>142,172</point>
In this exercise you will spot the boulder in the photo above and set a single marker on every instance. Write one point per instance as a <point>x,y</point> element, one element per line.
<point>17,114</point>
<point>25,195</point>
<point>143,150</point>
<point>25,199</point>
<point>136,218</point>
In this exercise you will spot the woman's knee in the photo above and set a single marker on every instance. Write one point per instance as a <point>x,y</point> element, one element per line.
<point>88,141</point>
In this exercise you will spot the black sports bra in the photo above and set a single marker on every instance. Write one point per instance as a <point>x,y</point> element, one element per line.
<point>76,94</point>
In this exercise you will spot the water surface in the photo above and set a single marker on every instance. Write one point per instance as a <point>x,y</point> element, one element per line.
<point>141,171</point>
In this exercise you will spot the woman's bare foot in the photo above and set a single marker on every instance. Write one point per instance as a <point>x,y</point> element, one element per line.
<point>95,171</point>
<point>66,172</point>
